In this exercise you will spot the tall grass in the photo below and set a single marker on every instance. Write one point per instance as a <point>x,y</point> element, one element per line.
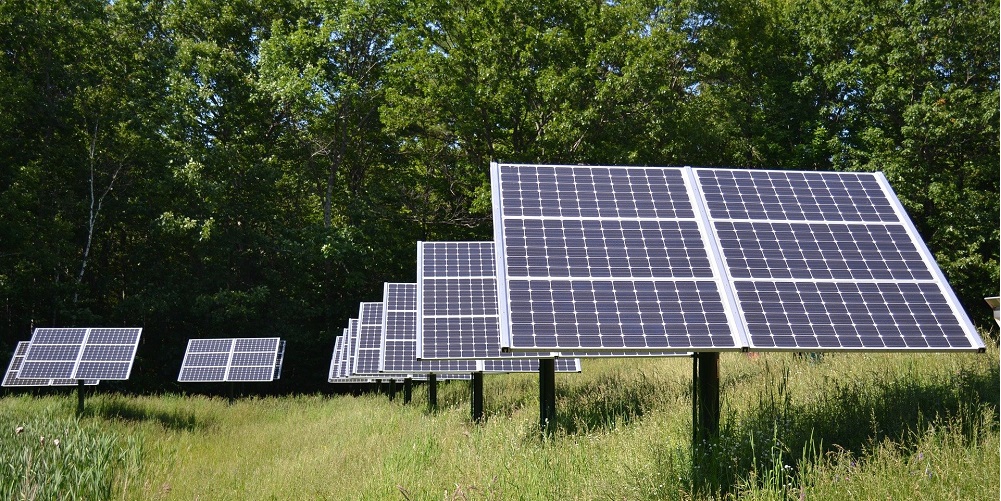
<point>52,455</point>
<point>845,426</point>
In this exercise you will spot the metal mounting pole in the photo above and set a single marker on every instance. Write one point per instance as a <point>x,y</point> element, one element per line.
<point>432,392</point>
<point>705,398</point>
<point>476,399</point>
<point>80,388</point>
<point>705,411</point>
<point>392,389</point>
<point>547,394</point>
<point>407,390</point>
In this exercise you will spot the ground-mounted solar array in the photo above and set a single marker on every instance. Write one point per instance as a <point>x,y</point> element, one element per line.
<point>11,376</point>
<point>400,341</point>
<point>232,360</point>
<point>604,259</point>
<point>80,353</point>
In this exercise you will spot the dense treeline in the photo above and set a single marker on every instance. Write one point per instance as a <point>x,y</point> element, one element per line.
<point>248,168</point>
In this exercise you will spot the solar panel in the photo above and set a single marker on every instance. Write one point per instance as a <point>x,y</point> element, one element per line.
<point>400,336</point>
<point>369,339</point>
<point>232,360</point>
<point>606,259</point>
<point>11,376</point>
<point>80,353</point>
<point>829,261</point>
<point>636,258</point>
<point>335,359</point>
<point>400,342</point>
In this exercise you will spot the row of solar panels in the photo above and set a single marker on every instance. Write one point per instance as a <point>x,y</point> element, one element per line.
<point>65,356</point>
<point>661,261</point>
<point>615,261</point>
<point>382,343</point>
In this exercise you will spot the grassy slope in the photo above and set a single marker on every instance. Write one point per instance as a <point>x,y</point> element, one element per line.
<point>852,426</point>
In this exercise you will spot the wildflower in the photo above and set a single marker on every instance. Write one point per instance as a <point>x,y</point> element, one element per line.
<point>18,430</point>
<point>41,440</point>
<point>55,442</point>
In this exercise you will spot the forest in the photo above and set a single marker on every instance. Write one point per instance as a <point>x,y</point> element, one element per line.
<point>247,168</point>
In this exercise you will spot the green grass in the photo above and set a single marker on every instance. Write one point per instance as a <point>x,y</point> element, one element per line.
<point>849,426</point>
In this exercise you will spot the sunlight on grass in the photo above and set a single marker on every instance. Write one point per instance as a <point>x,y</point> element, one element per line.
<point>840,426</point>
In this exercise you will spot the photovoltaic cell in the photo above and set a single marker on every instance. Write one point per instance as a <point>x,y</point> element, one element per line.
<point>232,360</point>
<point>80,353</point>
<point>11,376</point>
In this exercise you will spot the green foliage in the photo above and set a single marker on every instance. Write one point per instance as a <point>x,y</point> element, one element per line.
<point>258,168</point>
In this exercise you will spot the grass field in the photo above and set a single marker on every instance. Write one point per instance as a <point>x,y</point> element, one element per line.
<point>846,426</point>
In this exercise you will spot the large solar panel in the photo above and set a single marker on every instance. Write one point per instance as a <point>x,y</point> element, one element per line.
<point>232,360</point>
<point>638,258</point>
<point>80,353</point>
<point>831,261</point>
<point>11,376</point>
<point>400,342</point>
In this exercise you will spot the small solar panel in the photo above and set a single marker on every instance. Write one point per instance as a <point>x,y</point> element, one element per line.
<point>11,376</point>
<point>400,336</point>
<point>80,353</point>
<point>335,359</point>
<point>369,339</point>
<point>400,342</point>
<point>232,360</point>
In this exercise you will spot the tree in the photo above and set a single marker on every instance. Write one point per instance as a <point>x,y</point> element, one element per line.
<point>911,89</point>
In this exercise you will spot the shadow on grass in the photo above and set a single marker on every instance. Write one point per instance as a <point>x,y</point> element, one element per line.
<point>604,404</point>
<point>850,417</point>
<point>129,411</point>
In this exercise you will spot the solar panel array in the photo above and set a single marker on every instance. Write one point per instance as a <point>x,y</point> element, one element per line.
<point>601,259</point>
<point>400,341</point>
<point>11,376</point>
<point>342,362</point>
<point>80,353</point>
<point>232,360</point>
